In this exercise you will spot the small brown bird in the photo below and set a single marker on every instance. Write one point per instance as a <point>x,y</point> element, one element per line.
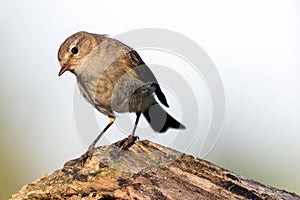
<point>113,78</point>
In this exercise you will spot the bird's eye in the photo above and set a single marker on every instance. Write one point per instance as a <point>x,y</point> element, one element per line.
<point>74,50</point>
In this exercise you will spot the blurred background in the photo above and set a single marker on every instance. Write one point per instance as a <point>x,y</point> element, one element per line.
<point>254,45</point>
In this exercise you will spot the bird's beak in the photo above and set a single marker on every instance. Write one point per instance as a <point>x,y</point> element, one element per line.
<point>63,69</point>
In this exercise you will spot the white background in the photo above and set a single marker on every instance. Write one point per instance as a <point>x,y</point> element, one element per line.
<point>255,46</point>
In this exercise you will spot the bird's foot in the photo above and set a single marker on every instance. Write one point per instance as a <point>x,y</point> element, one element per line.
<point>86,155</point>
<point>126,143</point>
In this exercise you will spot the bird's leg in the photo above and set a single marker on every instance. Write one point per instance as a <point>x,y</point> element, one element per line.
<point>134,138</point>
<point>91,148</point>
<point>129,141</point>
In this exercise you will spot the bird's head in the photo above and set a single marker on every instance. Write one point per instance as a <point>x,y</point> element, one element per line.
<point>74,50</point>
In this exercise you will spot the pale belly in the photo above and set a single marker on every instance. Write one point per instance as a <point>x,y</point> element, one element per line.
<point>124,95</point>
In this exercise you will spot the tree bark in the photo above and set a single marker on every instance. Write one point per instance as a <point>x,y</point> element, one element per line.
<point>146,171</point>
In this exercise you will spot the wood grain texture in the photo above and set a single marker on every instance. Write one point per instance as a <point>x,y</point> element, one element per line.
<point>146,171</point>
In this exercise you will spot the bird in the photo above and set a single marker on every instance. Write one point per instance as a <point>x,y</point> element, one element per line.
<point>114,79</point>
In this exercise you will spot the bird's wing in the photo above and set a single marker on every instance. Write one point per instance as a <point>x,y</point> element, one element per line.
<point>145,74</point>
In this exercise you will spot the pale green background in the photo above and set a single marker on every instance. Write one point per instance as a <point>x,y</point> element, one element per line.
<point>254,44</point>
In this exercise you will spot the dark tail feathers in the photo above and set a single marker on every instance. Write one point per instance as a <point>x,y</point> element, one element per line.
<point>160,120</point>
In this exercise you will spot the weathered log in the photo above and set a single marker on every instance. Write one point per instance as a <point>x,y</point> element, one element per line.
<point>146,171</point>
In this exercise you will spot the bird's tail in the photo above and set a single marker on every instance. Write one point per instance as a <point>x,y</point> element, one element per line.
<point>160,120</point>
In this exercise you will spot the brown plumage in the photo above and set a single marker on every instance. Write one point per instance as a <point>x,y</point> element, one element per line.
<point>113,78</point>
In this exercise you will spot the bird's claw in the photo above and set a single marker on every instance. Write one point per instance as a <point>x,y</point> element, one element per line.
<point>86,155</point>
<point>127,142</point>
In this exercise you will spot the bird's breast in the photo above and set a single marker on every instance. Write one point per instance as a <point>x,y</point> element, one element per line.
<point>116,90</point>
